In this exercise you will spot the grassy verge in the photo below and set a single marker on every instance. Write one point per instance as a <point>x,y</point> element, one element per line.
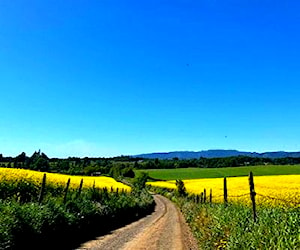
<point>216,226</point>
<point>58,225</point>
<point>195,173</point>
<point>232,227</point>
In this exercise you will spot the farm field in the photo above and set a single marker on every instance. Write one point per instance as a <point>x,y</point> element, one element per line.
<point>281,190</point>
<point>59,180</point>
<point>231,226</point>
<point>197,173</point>
<point>50,210</point>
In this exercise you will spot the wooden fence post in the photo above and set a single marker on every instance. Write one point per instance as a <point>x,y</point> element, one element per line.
<point>80,187</point>
<point>201,197</point>
<point>252,195</point>
<point>204,195</point>
<point>66,190</point>
<point>210,196</point>
<point>225,191</point>
<point>42,190</point>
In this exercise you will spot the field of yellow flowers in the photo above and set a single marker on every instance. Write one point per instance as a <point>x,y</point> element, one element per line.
<point>281,190</point>
<point>34,177</point>
<point>48,210</point>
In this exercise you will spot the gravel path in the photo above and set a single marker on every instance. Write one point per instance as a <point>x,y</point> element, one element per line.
<point>165,228</point>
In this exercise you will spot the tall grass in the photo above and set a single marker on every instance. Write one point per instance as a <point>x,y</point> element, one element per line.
<point>232,227</point>
<point>54,224</point>
<point>57,218</point>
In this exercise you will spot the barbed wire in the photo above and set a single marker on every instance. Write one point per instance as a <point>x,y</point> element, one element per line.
<point>297,203</point>
<point>237,196</point>
<point>222,195</point>
<point>229,196</point>
<point>278,199</point>
<point>265,196</point>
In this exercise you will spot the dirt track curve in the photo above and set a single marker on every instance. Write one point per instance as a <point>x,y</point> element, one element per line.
<point>165,228</point>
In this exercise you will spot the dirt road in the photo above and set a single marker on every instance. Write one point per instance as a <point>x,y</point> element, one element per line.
<point>165,228</point>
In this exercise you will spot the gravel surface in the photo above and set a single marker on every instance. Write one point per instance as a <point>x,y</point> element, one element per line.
<point>165,228</point>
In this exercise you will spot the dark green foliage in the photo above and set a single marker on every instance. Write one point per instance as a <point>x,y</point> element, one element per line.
<point>25,190</point>
<point>128,172</point>
<point>21,191</point>
<point>119,171</point>
<point>38,217</point>
<point>115,172</point>
<point>63,165</point>
<point>21,157</point>
<point>180,188</point>
<point>55,225</point>
<point>216,226</point>
<point>123,166</point>
<point>38,161</point>
<point>232,227</point>
<point>140,180</point>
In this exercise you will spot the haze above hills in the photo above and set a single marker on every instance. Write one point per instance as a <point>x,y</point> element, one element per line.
<point>217,153</point>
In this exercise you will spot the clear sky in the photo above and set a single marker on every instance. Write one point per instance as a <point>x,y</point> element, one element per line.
<point>111,77</point>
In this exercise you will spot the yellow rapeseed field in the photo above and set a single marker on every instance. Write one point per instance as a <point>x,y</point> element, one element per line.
<point>280,190</point>
<point>15,175</point>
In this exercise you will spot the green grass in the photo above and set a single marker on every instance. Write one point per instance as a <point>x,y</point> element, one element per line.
<point>196,173</point>
<point>232,227</point>
<point>33,225</point>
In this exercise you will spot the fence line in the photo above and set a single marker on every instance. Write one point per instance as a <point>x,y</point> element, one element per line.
<point>265,196</point>
<point>252,195</point>
<point>238,196</point>
<point>278,199</point>
<point>231,196</point>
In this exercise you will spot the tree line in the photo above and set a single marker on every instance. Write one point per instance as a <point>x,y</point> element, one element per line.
<point>124,165</point>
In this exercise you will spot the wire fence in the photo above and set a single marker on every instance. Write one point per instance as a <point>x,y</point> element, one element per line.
<point>286,201</point>
<point>238,196</point>
<point>296,203</point>
<point>254,198</point>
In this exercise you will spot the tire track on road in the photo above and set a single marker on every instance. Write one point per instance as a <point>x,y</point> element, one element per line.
<point>165,228</point>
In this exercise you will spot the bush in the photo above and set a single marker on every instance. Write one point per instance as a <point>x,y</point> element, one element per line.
<point>128,172</point>
<point>180,188</point>
<point>34,226</point>
<point>140,180</point>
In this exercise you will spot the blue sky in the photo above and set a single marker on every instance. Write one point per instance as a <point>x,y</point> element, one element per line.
<point>107,77</point>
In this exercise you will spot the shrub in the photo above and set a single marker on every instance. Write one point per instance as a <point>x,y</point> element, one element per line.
<point>35,226</point>
<point>180,188</point>
<point>140,180</point>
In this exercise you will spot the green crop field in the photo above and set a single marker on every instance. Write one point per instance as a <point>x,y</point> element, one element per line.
<point>196,173</point>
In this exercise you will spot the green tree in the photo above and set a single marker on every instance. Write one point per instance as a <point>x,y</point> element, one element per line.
<point>41,164</point>
<point>128,172</point>
<point>38,161</point>
<point>21,157</point>
<point>180,188</point>
<point>115,172</point>
<point>140,180</point>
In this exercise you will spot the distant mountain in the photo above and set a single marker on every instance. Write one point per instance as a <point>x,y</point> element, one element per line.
<point>216,153</point>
